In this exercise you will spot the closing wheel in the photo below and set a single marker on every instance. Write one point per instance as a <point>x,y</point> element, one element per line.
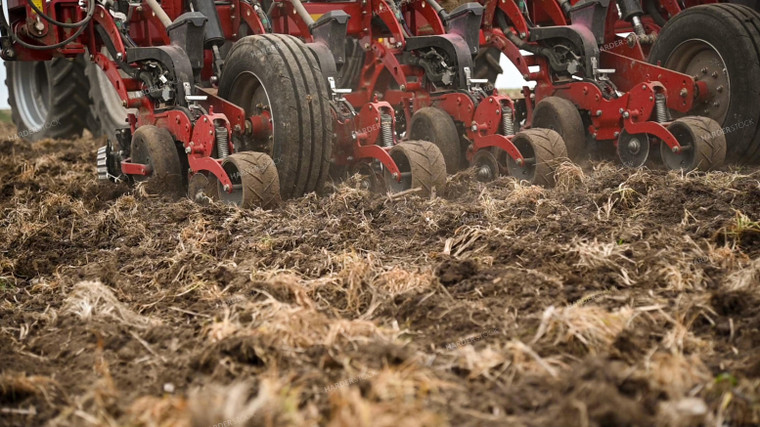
<point>203,188</point>
<point>276,75</point>
<point>255,182</point>
<point>702,141</point>
<point>435,125</point>
<point>156,148</point>
<point>421,165</point>
<point>719,45</point>
<point>633,150</point>
<point>561,115</point>
<point>47,99</point>
<point>486,166</point>
<point>542,150</point>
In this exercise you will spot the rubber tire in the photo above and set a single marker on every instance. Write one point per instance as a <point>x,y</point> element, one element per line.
<point>547,147</point>
<point>351,70</point>
<point>298,95</point>
<point>435,125</point>
<point>156,147</point>
<point>708,137</point>
<point>107,111</point>
<point>67,103</point>
<point>561,115</point>
<point>425,161</point>
<point>734,31</point>
<point>258,175</point>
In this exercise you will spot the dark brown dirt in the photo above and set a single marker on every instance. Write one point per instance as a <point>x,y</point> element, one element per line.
<point>619,298</point>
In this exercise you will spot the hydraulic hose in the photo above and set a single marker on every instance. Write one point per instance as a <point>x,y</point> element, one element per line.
<point>83,22</point>
<point>16,39</point>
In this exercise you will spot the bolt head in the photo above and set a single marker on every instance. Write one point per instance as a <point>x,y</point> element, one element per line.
<point>227,188</point>
<point>188,150</point>
<point>675,149</point>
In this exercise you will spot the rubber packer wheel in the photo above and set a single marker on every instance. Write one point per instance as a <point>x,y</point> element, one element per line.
<point>255,182</point>
<point>704,142</point>
<point>155,147</point>
<point>702,41</point>
<point>48,99</point>
<point>421,164</point>
<point>434,125</point>
<point>561,115</point>
<point>542,149</point>
<point>279,74</point>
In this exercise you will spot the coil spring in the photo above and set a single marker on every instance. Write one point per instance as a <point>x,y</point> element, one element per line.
<point>507,123</point>
<point>662,108</point>
<point>221,142</point>
<point>386,126</point>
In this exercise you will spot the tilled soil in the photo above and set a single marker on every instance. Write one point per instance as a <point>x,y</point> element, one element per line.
<point>619,298</point>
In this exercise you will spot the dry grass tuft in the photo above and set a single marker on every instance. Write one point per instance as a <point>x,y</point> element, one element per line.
<point>93,299</point>
<point>593,328</point>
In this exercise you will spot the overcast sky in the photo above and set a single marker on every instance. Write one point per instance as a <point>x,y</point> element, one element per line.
<point>509,79</point>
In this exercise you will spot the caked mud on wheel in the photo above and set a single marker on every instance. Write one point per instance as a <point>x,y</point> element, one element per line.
<point>435,125</point>
<point>719,45</point>
<point>421,165</point>
<point>542,150</point>
<point>561,115</point>
<point>155,147</point>
<point>278,76</point>
<point>702,141</point>
<point>48,99</point>
<point>254,181</point>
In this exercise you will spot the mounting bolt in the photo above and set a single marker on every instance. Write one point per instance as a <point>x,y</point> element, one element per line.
<point>227,188</point>
<point>675,149</point>
<point>522,35</point>
<point>704,71</point>
<point>683,93</point>
<point>716,104</point>
<point>719,89</point>
<point>715,74</point>
<point>238,128</point>
<point>403,88</point>
<point>626,114</point>
<point>399,44</point>
<point>119,56</point>
<point>124,104</point>
<point>621,111</point>
<point>643,87</point>
<point>616,134</point>
<point>598,113</point>
<point>188,150</point>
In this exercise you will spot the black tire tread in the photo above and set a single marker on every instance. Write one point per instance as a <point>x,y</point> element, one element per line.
<point>69,104</point>
<point>743,146</point>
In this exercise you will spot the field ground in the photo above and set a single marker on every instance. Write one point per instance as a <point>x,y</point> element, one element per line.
<point>619,298</point>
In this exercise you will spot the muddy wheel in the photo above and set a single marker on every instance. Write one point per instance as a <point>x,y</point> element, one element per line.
<point>255,182</point>
<point>156,148</point>
<point>719,44</point>
<point>47,99</point>
<point>421,165</point>
<point>541,149</point>
<point>633,150</point>
<point>279,74</point>
<point>107,110</point>
<point>203,188</point>
<point>561,115</point>
<point>434,125</point>
<point>703,142</point>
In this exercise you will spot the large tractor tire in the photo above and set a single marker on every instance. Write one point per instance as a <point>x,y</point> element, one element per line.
<point>719,44</point>
<point>48,99</point>
<point>279,74</point>
<point>107,109</point>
